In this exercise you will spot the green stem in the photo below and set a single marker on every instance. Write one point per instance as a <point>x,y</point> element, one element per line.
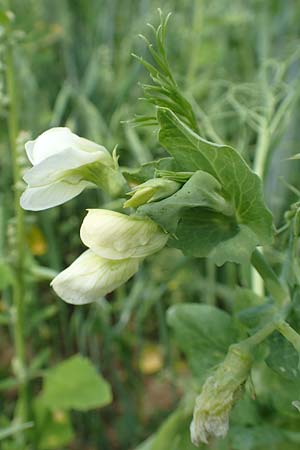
<point>290,334</point>
<point>19,285</point>
<point>264,136</point>
<point>262,150</point>
<point>258,337</point>
<point>272,282</point>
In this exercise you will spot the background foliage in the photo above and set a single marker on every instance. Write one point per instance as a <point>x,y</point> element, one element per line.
<point>238,63</point>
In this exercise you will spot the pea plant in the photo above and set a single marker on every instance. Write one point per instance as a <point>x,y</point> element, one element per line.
<point>205,200</point>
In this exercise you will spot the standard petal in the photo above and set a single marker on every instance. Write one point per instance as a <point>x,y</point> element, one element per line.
<point>90,277</point>
<point>89,146</point>
<point>55,140</point>
<point>50,143</point>
<point>115,236</point>
<point>54,167</point>
<point>29,146</point>
<point>44,197</point>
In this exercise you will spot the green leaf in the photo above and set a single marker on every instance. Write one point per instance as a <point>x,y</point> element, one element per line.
<point>251,224</point>
<point>203,333</point>
<point>75,384</point>
<point>53,428</point>
<point>201,189</point>
<point>204,233</point>
<point>283,357</point>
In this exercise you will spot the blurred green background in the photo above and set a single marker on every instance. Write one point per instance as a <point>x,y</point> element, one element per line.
<point>238,63</point>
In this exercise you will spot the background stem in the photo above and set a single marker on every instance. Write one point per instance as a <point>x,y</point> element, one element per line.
<point>290,334</point>
<point>272,282</point>
<point>19,285</point>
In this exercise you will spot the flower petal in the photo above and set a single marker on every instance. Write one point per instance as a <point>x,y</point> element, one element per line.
<point>44,197</point>
<point>50,143</point>
<point>89,146</point>
<point>115,236</point>
<point>90,277</point>
<point>52,168</point>
<point>29,146</point>
<point>55,140</point>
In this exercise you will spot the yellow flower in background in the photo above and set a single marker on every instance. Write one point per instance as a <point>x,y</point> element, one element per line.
<point>36,241</point>
<point>151,359</point>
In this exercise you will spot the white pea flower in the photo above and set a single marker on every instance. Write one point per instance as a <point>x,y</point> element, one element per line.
<point>218,395</point>
<point>116,236</point>
<point>90,277</point>
<point>151,191</point>
<point>64,164</point>
<point>117,244</point>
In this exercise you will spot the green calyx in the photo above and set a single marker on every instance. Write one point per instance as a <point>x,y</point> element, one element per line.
<point>105,177</point>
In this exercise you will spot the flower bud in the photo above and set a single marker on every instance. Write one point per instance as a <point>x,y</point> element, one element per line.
<point>90,277</point>
<point>151,191</point>
<point>219,392</point>
<point>64,164</point>
<point>117,236</point>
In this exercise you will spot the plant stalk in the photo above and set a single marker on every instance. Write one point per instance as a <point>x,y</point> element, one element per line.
<point>19,285</point>
<point>271,280</point>
<point>290,334</point>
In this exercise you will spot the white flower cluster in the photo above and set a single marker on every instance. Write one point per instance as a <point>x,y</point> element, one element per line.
<point>64,164</point>
<point>117,244</point>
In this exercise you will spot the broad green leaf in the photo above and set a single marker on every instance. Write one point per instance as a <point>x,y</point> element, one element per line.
<point>201,190</point>
<point>202,233</point>
<point>203,333</point>
<point>251,224</point>
<point>75,384</point>
<point>283,358</point>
